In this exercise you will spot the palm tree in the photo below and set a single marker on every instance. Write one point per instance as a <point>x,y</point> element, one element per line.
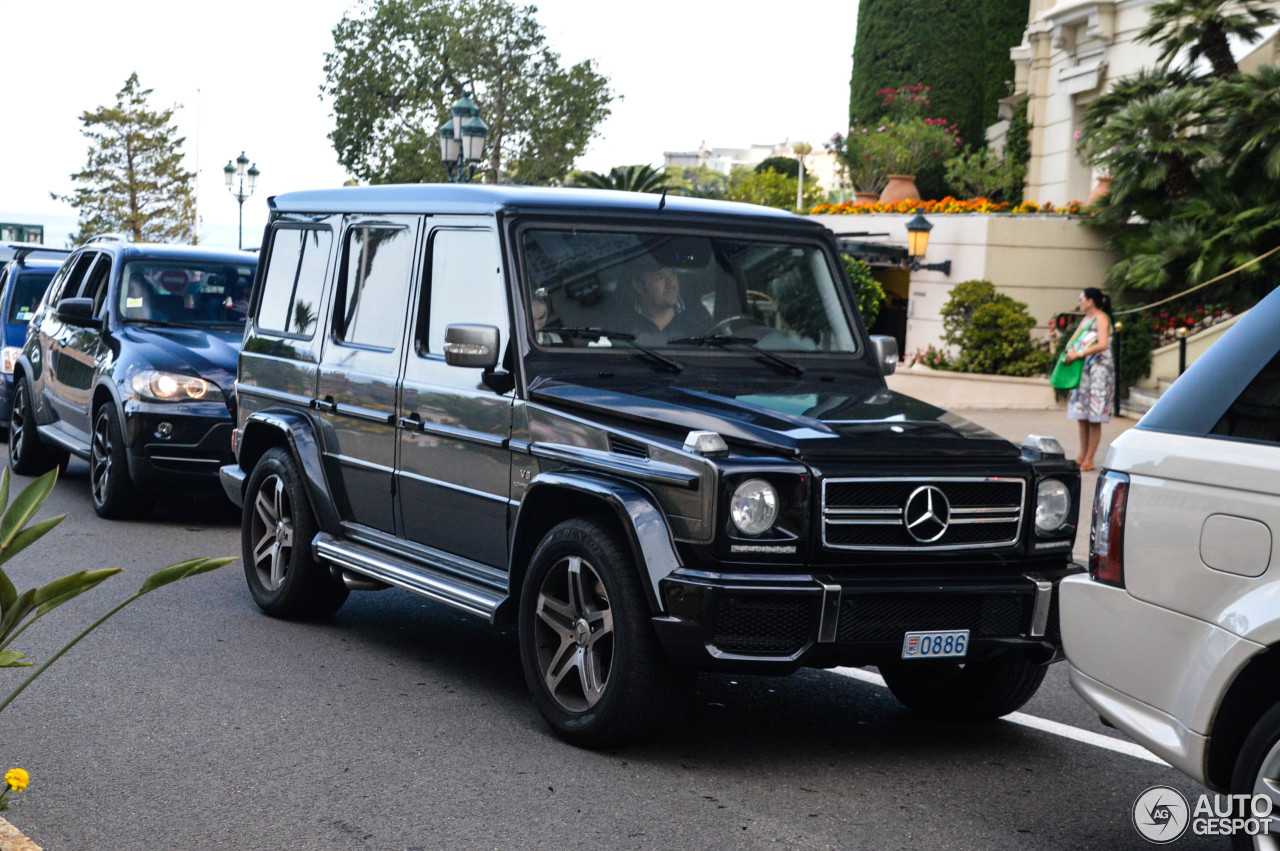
<point>632,178</point>
<point>1202,27</point>
<point>1252,104</point>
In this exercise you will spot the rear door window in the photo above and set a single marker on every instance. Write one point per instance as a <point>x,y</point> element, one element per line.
<point>1255,414</point>
<point>373,288</point>
<point>293,282</point>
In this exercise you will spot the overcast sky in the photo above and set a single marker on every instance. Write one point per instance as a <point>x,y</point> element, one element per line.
<point>247,76</point>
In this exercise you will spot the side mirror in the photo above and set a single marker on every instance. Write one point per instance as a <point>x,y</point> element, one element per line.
<point>886,351</point>
<point>78,312</point>
<point>471,345</point>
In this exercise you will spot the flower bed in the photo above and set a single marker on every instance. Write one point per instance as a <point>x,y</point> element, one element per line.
<point>951,205</point>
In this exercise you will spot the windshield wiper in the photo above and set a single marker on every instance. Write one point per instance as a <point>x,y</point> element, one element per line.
<point>630,339</point>
<point>163,323</point>
<point>723,340</point>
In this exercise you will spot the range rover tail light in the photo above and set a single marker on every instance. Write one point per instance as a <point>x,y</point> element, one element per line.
<point>1106,535</point>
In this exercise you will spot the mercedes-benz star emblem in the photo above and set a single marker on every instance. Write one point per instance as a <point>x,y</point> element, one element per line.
<point>926,514</point>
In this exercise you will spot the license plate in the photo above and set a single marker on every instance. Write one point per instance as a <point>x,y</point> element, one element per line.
<point>935,645</point>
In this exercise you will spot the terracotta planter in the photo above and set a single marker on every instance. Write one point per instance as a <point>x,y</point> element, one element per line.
<point>866,197</point>
<point>902,187</point>
<point>1102,190</point>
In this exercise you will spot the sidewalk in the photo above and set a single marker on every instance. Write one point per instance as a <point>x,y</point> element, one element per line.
<point>1015,425</point>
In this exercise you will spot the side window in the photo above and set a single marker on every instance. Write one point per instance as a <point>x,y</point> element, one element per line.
<point>69,285</point>
<point>294,280</point>
<point>466,285</point>
<point>373,289</point>
<point>1255,414</point>
<point>95,283</point>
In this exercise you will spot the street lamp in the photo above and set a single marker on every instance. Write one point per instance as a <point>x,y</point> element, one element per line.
<point>917,241</point>
<point>462,140</point>
<point>244,188</point>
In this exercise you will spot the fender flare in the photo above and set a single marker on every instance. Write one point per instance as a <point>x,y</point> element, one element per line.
<point>642,522</point>
<point>298,432</point>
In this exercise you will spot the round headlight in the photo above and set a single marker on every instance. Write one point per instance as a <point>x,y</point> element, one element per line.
<point>1053,503</point>
<point>754,506</point>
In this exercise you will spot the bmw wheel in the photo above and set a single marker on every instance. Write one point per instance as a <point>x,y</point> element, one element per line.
<point>113,491</point>
<point>28,456</point>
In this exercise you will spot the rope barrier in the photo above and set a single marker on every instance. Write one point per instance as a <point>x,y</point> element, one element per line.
<point>1213,280</point>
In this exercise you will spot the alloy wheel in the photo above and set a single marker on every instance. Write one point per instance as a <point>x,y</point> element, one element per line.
<point>574,634</point>
<point>18,423</point>
<point>101,453</point>
<point>272,532</point>
<point>1267,782</point>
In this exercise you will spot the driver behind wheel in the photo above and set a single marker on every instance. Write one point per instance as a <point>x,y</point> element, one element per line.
<point>660,313</point>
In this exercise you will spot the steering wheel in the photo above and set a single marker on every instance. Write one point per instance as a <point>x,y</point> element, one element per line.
<point>731,324</point>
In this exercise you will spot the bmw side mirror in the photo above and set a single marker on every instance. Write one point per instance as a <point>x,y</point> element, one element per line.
<point>77,312</point>
<point>471,345</point>
<point>886,351</point>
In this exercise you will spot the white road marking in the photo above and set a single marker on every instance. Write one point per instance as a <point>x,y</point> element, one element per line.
<point>1088,737</point>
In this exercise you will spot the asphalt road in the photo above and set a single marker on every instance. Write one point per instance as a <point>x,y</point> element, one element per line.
<point>192,721</point>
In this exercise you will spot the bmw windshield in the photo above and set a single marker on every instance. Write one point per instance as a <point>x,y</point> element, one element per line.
<point>679,292</point>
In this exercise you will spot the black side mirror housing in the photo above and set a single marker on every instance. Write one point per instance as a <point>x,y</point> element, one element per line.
<point>78,312</point>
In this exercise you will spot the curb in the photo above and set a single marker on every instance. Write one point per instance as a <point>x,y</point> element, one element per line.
<point>11,839</point>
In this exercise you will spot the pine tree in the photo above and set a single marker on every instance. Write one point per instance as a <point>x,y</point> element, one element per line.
<point>133,181</point>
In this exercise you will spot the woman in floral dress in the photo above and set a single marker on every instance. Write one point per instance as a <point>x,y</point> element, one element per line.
<point>1090,403</point>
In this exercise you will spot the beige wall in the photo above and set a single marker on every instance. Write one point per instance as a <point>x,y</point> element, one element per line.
<point>1041,260</point>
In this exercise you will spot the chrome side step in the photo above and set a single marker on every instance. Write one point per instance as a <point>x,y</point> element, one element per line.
<point>470,597</point>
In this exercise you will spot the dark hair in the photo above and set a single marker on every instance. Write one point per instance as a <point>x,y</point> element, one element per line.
<point>1099,298</point>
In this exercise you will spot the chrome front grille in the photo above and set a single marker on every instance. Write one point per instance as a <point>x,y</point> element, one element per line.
<point>913,513</point>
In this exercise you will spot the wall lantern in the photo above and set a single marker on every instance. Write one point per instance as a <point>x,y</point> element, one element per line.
<point>917,242</point>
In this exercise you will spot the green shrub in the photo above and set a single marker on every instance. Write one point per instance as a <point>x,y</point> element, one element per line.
<point>866,288</point>
<point>991,331</point>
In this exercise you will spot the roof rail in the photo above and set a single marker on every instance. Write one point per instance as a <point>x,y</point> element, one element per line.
<point>107,237</point>
<point>19,254</point>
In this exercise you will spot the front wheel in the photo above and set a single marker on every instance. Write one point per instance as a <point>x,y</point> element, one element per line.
<point>1257,772</point>
<point>276,531</point>
<point>588,650</point>
<point>973,691</point>
<point>113,491</point>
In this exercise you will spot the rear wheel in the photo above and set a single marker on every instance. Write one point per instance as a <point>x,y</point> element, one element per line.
<point>590,657</point>
<point>975,691</point>
<point>276,531</point>
<point>113,491</point>
<point>1257,772</point>
<point>28,456</point>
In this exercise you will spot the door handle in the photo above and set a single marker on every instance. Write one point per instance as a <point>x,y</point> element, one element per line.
<point>413,422</point>
<point>326,404</point>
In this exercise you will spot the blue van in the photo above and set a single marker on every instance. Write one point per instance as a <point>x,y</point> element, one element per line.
<point>23,280</point>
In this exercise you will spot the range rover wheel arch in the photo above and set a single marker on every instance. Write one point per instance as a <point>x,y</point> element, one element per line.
<point>265,430</point>
<point>555,497</point>
<point>1254,691</point>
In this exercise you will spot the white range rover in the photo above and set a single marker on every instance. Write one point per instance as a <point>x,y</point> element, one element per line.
<point>1174,634</point>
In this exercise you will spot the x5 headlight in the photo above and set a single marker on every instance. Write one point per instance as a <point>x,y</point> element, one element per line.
<point>160,386</point>
<point>1053,504</point>
<point>754,507</point>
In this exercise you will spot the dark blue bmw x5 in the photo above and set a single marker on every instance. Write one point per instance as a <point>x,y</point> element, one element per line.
<point>130,363</point>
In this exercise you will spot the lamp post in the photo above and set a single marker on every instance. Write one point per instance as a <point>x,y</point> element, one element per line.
<point>917,241</point>
<point>236,185</point>
<point>462,140</point>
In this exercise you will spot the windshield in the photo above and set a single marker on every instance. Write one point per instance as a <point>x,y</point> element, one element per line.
<point>185,292</point>
<point>28,288</point>
<point>673,291</point>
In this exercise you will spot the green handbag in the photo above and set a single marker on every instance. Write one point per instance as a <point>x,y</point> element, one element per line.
<point>1066,376</point>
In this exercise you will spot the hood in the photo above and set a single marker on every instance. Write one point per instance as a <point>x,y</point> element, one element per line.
<point>210,353</point>
<point>863,418</point>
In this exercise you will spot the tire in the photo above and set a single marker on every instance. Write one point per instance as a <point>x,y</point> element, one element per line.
<point>589,653</point>
<point>971,691</point>
<point>276,530</point>
<point>28,456</point>
<point>114,494</point>
<point>1257,771</point>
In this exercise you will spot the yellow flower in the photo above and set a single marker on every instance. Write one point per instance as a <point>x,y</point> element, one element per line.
<point>17,779</point>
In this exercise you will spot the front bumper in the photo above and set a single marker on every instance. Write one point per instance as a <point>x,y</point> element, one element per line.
<point>775,624</point>
<point>198,443</point>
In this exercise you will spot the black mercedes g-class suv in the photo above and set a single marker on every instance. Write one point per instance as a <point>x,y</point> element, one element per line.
<point>651,433</point>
